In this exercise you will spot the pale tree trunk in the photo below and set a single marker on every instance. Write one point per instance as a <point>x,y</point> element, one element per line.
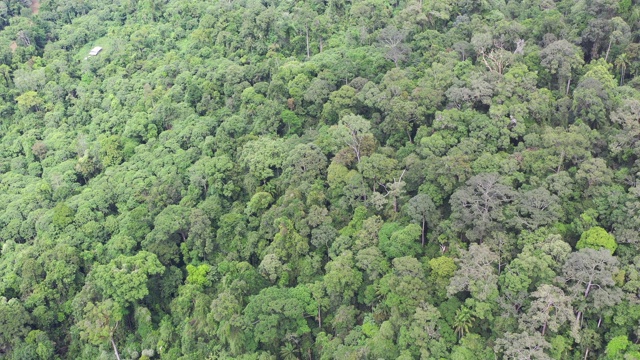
<point>568,83</point>
<point>115,349</point>
<point>423,223</point>
<point>579,318</point>
<point>586,292</point>
<point>561,161</point>
<point>113,343</point>
<point>608,49</point>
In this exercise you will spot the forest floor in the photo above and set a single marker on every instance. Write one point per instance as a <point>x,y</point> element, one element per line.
<point>35,7</point>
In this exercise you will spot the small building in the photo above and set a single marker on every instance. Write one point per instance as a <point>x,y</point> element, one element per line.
<point>95,51</point>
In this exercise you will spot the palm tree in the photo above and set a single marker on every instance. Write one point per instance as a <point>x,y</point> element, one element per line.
<point>463,321</point>
<point>288,352</point>
<point>621,63</point>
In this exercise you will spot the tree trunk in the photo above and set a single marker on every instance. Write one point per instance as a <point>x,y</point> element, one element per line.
<point>544,328</point>
<point>606,57</point>
<point>586,292</point>
<point>115,349</point>
<point>561,161</point>
<point>579,318</point>
<point>423,222</point>
<point>568,83</point>
<point>586,353</point>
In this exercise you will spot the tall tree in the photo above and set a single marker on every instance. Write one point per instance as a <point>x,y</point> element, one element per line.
<point>479,205</point>
<point>562,58</point>
<point>422,210</point>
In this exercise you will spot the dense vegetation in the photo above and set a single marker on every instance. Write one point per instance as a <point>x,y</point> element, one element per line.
<point>319,180</point>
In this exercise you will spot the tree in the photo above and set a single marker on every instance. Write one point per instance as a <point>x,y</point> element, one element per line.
<point>620,34</point>
<point>442,269</point>
<point>291,120</point>
<point>424,331</point>
<point>372,262</point>
<point>617,345</point>
<point>493,54</point>
<point>523,346</point>
<point>401,242</point>
<point>171,228</point>
<point>100,322</point>
<point>597,238</point>
<point>475,273</point>
<point>288,351</point>
<point>305,16</point>
<point>273,315</point>
<point>263,157</point>
<point>463,321</point>
<point>594,172</point>
<point>392,39</point>
<point>550,310</point>
<point>403,288</point>
<point>422,210</point>
<point>353,131</point>
<point>536,208</point>
<point>288,244</point>
<point>323,236</point>
<point>29,101</point>
<point>342,103</point>
<point>588,276</point>
<point>341,278</point>
<point>479,205</point>
<point>377,170</point>
<point>124,279</point>
<point>305,162</point>
<point>14,320</point>
<point>213,175</point>
<point>622,62</point>
<point>561,58</point>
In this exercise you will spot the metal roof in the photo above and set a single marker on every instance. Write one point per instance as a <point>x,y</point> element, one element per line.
<point>95,51</point>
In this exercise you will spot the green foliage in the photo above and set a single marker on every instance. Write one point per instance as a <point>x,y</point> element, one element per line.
<point>404,242</point>
<point>291,121</point>
<point>368,179</point>
<point>617,346</point>
<point>597,238</point>
<point>13,320</point>
<point>442,267</point>
<point>124,279</point>
<point>275,309</point>
<point>62,215</point>
<point>197,275</point>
